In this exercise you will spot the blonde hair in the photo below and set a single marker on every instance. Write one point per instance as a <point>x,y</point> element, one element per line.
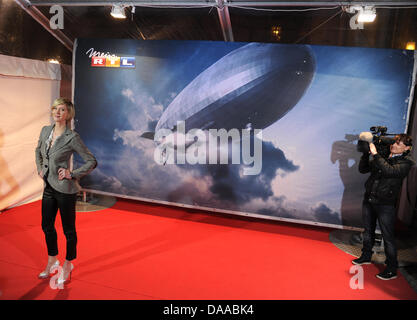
<point>68,104</point>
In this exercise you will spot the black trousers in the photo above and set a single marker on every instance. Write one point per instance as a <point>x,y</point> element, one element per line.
<point>53,200</point>
<point>386,218</point>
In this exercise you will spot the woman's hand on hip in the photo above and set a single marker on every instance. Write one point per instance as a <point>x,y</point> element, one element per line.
<point>64,174</point>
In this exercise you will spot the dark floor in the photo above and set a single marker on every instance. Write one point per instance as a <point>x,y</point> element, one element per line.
<point>408,236</point>
<point>407,239</point>
<point>410,274</point>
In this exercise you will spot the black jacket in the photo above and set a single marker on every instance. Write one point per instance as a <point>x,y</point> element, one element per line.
<point>384,184</point>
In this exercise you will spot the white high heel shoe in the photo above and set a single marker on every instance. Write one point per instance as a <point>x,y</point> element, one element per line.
<point>64,278</point>
<point>46,273</point>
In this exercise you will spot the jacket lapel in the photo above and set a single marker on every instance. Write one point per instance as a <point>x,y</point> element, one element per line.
<point>45,137</point>
<point>62,140</point>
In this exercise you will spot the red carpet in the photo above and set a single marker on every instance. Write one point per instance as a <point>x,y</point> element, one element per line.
<point>144,251</point>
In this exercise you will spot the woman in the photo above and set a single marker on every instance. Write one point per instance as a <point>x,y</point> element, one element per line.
<point>55,146</point>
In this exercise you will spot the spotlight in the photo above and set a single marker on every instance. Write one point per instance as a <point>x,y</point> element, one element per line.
<point>53,61</point>
<point>367,14</point>
<point>410,46</point>
<point>276,32</point>
<point>361,14</point>
<point>118,11</point>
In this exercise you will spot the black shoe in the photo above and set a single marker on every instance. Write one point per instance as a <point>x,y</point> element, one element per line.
<point>362,260</point>
<point>386,275</point>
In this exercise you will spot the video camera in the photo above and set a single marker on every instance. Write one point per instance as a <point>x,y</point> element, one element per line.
<point>379,137</point>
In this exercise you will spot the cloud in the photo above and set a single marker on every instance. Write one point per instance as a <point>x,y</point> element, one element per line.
<point>145,110</point>
<point>273,206</point>
<point>142,176</point>
<point>131,138</point>
<point>104,182</point>
<point>223,182</point>
<point>230,184</point>
<point>128,93</point>
<point>324,214</point>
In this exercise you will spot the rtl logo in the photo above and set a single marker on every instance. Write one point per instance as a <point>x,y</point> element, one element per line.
<point>113,62</point>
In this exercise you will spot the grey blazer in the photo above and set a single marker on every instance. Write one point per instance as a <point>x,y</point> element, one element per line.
<point>59,157</point>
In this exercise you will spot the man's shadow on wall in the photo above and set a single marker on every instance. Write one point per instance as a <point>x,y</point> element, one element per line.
<point>5,175</point>
<point>346,154</point>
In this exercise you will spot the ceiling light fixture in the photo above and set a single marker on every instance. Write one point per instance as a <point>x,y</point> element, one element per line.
<point>361,15</point>
<point>118,11</point>
<point>367,14</point>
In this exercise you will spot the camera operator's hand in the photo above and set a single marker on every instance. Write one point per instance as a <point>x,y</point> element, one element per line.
<point>372,149</point>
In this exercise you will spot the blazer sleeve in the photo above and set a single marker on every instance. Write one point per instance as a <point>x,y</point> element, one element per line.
<point>398,170</point>
<point>38,154</point>
<point>86,155</point>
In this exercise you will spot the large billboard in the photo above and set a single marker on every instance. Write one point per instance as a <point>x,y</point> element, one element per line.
<point>258,129</point>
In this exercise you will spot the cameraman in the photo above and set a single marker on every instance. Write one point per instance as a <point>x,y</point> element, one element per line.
<point>382,189</point>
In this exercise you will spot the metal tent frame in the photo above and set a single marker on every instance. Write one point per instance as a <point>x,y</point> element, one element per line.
<point>222,6</point>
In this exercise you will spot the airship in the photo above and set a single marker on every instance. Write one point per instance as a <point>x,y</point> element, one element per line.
<point>251,87</point>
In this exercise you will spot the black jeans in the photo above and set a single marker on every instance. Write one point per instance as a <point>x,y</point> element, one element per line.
<point>386,218</point>
<point>53,200</point>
